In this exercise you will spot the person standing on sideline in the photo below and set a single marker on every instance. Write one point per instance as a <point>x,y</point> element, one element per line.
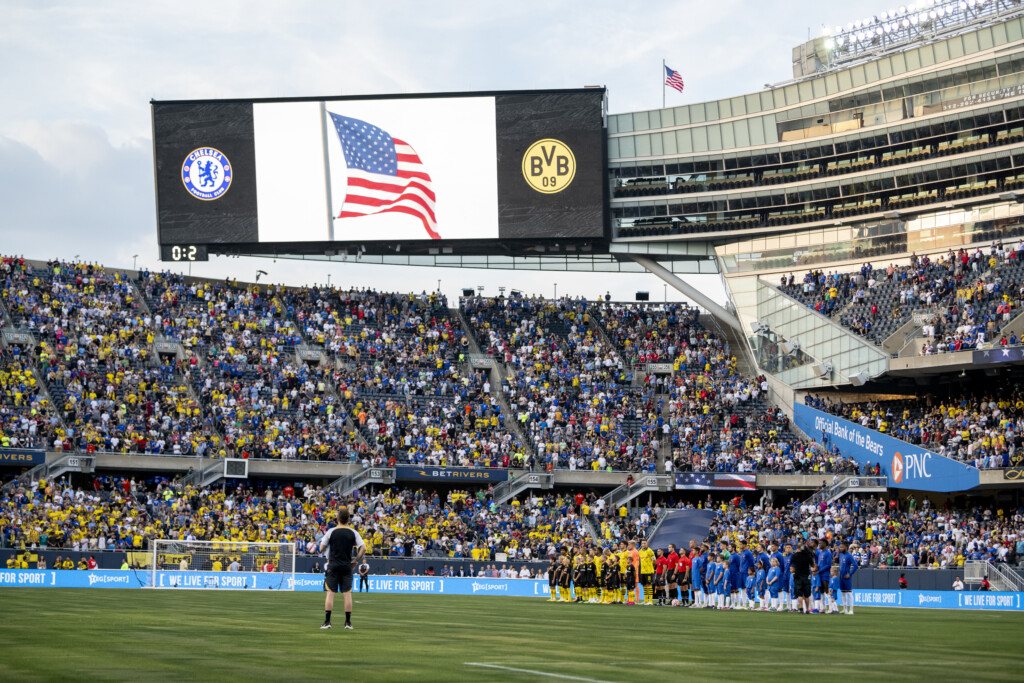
<point>364,577</point>
<point>340,542</point>
<point>847,568</point>
<point>800,566</point>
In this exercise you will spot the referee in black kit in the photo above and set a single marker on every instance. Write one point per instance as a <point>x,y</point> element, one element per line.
<point>340,542</point>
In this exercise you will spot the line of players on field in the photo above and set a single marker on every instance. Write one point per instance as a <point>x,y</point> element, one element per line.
<point>724,575</point>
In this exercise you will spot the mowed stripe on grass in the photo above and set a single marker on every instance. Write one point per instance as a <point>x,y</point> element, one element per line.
<point>117,634</point>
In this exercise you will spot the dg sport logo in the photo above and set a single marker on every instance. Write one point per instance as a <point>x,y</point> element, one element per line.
<point>549,166</point>
<point>206,174</point>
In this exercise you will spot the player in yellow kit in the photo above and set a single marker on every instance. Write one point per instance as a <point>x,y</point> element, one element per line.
<point>647,572</point>
<point>598,579</point>
<point>623,563</point>
<point>577,577</point>
<point>634,563</point>
<point>611,577</point>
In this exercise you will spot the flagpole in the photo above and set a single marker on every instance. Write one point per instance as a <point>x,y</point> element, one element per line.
<point>662,83</point>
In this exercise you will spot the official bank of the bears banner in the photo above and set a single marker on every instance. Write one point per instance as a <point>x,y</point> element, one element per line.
<point>396,169</point>
<point>470,474</point>
<point>22,456</point>
<point>907,466</point>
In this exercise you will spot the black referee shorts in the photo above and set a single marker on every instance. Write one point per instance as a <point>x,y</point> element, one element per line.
<point>802,586</point>
<point>338,579</point>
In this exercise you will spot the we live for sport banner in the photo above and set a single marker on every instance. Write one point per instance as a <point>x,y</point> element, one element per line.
<point>429,585</point>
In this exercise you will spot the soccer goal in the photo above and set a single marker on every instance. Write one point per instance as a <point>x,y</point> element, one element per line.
<point>225,565</point>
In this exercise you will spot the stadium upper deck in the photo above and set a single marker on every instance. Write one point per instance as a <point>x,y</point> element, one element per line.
<point>874,152</point>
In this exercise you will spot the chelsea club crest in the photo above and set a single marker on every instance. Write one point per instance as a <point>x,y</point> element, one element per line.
<point>206,174</point>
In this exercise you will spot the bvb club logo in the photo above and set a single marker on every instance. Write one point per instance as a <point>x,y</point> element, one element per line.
<point>206,174</point>
<point>549,166</point>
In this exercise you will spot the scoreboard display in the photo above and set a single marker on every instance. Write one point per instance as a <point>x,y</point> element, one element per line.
<point>307,175</point>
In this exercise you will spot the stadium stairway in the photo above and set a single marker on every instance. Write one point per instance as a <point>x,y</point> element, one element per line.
<point>343,486</point>
<point>745,364</point>
<point>847,484</point>
<point>474,347</point>
<point>507,490</point>
<point>665,449</point>
<point>512,424</point>
<point>601,332</point>
<point>593,527</point>
<point>644,482</point>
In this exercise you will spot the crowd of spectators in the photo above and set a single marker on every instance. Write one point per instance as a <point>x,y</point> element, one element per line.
<point>882,533</point>
<point>963,299</point>
<point>980,426</point>
<point>27,419</point>
<point>718,420</point>
<point>94,351</point>
<point>444,419</point>
<point>569,389</point>
<point>125,515</point>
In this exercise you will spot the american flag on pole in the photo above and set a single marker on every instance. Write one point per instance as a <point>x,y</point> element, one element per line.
<point>384,174</point>
<point>673,79</point>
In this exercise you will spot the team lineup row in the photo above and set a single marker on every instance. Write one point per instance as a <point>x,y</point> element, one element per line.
<point>712,575</point>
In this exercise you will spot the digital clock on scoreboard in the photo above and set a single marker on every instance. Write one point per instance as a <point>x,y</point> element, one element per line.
<point>184,252</point>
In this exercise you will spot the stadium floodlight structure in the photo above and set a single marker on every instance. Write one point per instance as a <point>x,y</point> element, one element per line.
<point>208,564</point>
<point>914,22</point>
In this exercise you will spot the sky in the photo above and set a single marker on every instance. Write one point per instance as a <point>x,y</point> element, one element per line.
<point>76,162</point>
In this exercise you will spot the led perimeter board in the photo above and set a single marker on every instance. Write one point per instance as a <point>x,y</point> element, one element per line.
<point>474,172</point>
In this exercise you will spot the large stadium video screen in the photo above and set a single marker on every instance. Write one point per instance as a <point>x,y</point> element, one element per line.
<point>501,166</point>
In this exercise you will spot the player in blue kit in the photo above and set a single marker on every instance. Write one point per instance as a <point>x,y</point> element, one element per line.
<point>720,578</point>
<point>762,557</point>
<point>697,578</point>
<point>815,591</point>
<point>760,585</point>
<point>847,568</point>
<point>774,583</point>
<point>749,585</point>
<point>774,553</point>
<point>786,589</point>
<point>711,580</point>
<point>735,578</point>
<point>746,560</point>
<point>823,559</point>
<point>715,572</point>
<point>833,592</point>
<point>724,582</point>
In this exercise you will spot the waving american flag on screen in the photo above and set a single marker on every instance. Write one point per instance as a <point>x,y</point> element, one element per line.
<point>384,174</point>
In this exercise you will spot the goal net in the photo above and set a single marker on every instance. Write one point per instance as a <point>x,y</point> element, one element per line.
<point>225,565</point>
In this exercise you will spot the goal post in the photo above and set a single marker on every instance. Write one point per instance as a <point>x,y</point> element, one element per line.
<point>223,565</point>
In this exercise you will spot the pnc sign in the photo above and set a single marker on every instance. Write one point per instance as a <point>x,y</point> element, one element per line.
<point>912,466</point>
<point>549,166</point>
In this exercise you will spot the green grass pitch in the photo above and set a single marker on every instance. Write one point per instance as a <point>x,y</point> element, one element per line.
<point>136,635</point>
